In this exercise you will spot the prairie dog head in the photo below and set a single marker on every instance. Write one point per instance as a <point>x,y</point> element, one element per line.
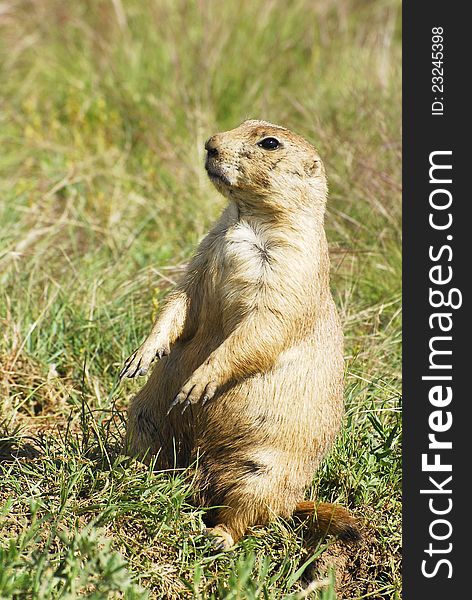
<point>260,164</point>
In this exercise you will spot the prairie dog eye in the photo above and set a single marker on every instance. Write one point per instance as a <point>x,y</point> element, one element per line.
<point>269,143</point>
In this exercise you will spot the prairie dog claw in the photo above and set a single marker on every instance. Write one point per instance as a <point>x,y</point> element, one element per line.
<point>139,362</point>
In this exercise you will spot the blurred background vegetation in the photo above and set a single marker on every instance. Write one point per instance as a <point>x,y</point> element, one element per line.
<point>104,109</point>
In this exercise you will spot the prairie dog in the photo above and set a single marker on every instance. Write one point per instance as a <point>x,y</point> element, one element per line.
<point>250,376</point>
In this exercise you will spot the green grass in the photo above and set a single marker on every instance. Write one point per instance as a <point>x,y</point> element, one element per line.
<point>104,109</point>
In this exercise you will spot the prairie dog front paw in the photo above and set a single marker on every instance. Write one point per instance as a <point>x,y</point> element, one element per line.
<point>140,361</point>
<point>201,386</point>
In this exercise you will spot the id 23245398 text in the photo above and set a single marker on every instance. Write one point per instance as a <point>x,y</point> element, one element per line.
<point>437,70</point>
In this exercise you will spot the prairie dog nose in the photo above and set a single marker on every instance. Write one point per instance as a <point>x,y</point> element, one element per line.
<point>211,146</point>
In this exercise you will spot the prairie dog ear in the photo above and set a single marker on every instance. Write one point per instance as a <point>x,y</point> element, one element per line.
<point>314,168</point>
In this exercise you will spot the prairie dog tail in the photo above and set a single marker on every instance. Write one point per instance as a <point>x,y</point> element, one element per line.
<point>330,518</point>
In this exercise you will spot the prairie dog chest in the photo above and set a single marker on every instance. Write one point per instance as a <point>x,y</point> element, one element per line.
<point>246,256</point>
<point>242,267</point>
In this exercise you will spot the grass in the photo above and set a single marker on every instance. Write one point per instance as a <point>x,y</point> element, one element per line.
<point>104,110</point>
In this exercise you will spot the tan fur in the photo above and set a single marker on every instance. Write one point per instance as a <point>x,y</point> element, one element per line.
<point>249,340</point>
